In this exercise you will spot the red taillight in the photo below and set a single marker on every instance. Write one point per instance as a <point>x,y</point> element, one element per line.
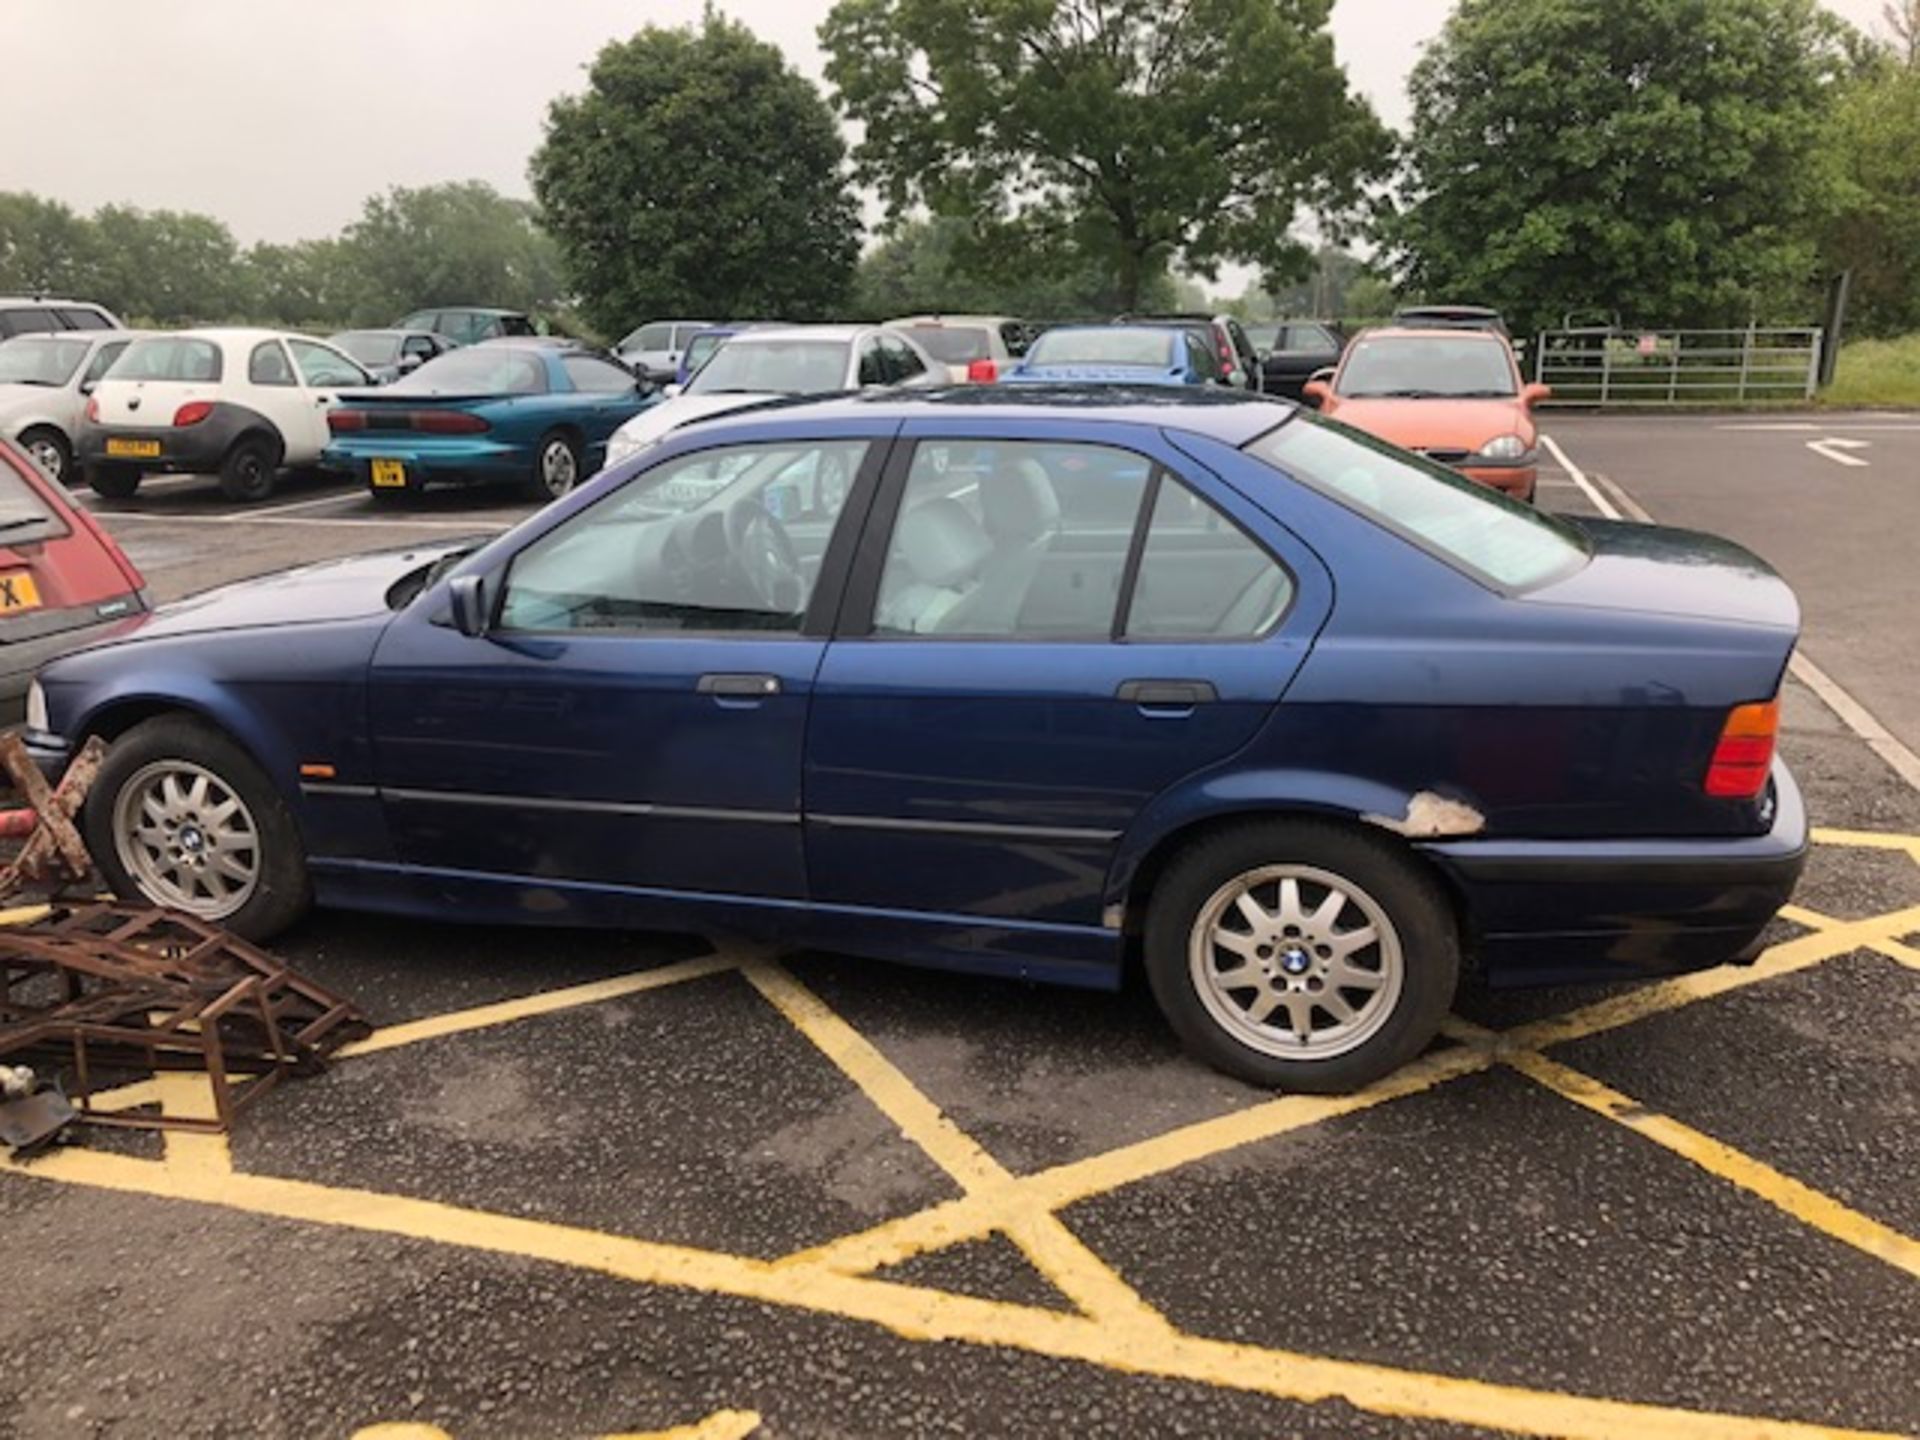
<point>983,372</point>
<point>93,411</point>
<point>193,412</point>
<point>338,420</point>
<point>1738,770</point>
<point>448,422</point>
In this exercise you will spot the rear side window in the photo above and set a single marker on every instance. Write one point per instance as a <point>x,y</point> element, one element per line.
<point>653,337</point>
<point>596,377</point>
<point>25,321</point>
<point>1498,541</point>
<point>77,318</point>
<point>512,325</point>
<point>171,357</point>
<point>1202,577</point>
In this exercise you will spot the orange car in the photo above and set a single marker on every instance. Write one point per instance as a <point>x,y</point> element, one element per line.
<point>1455,396</point>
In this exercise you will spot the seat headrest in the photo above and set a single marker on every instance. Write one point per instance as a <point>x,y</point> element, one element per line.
<point>942,542</point>
<point>1017,501</point>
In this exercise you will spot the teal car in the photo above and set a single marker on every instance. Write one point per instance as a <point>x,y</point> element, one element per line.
<point>523,412</point>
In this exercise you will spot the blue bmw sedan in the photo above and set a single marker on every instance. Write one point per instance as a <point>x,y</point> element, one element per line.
<point>1116,355</point>
<point>1022,684</point>
<point>528,412</point>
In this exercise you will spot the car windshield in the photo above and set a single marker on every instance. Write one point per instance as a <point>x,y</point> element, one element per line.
<point>1427,367</point>
<point>370,347</point>
<point>32,361</point>
<point>953,344</point>
<point>1499,541</point>
<point>483,370</point>
<point>1102,347</point>
<point>773,367</point>
<point>170,357</point>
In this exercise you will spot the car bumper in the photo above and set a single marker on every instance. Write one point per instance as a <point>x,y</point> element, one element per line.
<point>1548,912</point>
<point>190,449</point>
<point>1518,481</point>
<point>477,458</point>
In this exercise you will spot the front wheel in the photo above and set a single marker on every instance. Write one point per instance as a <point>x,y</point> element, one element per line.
<point>181,816</point>
<point>1301,955</point>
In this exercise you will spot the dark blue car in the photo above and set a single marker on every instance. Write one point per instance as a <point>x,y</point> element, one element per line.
<point>1012,684</point>
<point>534,412</point>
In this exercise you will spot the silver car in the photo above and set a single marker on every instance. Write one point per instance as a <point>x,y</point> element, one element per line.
<point>45,380</point>
<point>654,350</point>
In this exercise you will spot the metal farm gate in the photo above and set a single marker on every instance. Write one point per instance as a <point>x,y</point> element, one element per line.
<point>1610,367</point>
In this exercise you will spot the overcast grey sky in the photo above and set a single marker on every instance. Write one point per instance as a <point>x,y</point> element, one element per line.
<point>280,117</point>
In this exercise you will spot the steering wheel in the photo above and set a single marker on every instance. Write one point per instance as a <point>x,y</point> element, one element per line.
<point>763,553</point>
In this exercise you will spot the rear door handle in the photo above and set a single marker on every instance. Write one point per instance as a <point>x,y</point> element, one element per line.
<point>739,687</point>
<point>1167,694</point>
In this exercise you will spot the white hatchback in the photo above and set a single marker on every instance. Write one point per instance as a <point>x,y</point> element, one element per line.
<point>45,380</point>
<point>240,404</point>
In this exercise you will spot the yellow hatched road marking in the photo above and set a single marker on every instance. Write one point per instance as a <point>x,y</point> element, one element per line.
<point>1867,839</point>
<point>1803,1203</point>
<point>721,1425</point>
<point>922,1314</point>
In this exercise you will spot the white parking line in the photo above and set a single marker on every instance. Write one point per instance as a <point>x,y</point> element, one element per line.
<point>1855,716</point>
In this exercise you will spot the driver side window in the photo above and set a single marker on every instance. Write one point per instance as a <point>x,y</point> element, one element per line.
<point>726,541</point>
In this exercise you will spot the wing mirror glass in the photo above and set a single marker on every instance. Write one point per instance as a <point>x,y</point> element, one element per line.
<point>468,597</point>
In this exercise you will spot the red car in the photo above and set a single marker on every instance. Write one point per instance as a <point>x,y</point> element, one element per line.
<point>63,581</point>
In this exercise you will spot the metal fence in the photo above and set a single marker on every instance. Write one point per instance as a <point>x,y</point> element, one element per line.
<point>1678,367</point>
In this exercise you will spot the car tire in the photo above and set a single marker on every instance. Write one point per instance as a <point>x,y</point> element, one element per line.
<point>114,482</point>
<point>556,466</point>
<point>247,472</point>
<point>175,796</point>
<point>51,449</point>
<point>1296,955</point>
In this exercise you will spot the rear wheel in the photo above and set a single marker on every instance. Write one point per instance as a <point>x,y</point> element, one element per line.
<point>50,448</point>
<point>1301,955</point>
<point>247,473</point>
<point>181,816</point>
<point>556,466</point>
<point>116,482</point>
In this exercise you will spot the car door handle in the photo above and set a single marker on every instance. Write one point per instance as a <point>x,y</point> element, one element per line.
<point>1167,694</point>
<point>739,687</point>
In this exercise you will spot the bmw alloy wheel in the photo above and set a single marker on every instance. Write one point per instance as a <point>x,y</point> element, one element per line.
<point>187,839</point>
<point>1296,962</point>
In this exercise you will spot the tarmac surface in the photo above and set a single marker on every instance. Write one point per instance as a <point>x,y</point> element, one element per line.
<point>588,1184</point>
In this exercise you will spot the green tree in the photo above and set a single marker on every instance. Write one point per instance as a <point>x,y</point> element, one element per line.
<point>309,284</point>
<point>1658,159</point>
<point>941,264</point>
<point>1875,144</point>
<point>698,175</point>
<point>458,243</point>
<point>1136,133</point>
<point>171,267</point>
<point>45,248</point>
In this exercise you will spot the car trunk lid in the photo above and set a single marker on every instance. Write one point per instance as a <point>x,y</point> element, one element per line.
<point>1658,570</point>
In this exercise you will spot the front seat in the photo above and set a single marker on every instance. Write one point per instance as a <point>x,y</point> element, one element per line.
<point>940,550</point>
<point>1022,515</point>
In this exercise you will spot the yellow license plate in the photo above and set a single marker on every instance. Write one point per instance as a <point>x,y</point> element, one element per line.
<point>136,449</point>
<point>18,592</point>
<point>389,474</point>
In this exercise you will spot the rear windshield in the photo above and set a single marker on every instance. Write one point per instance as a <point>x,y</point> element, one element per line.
<point>484,370</point>
<point>953,344</point>
<point>1476,529</point>
<point>169,357</point>
<point>1102,347</point>
<point>1427,367</point>
<point>370,347</point>
<point>32,361</point>
<point>24,515</point>
<point>773,367</point>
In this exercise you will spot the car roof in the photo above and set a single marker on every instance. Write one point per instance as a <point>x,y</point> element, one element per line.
<point>465,309</point>
<point>811,332</point>
<point>987,320</point>
<point>1433,332</point>
<point>49,300</point>
<point>1230,416</point>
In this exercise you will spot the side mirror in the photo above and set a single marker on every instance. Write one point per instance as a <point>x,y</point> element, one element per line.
<point>468,595</point>
<point>87,387</point>
<point>1316,393</point>
<point>1532,395</point>
<point>410,363</point>
<point>670,391</point>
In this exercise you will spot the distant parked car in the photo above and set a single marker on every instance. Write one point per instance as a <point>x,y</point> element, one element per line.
<point>44,383</point>
<point>701,346</point>
<point>1239,363</point>
<point>1117,355</point>
<point>1452,317</point>
<point>1453,395</point>
<point>529,411</point>
<point>1294,352</point>
<point>792,360</point>
<point>240,404</point>
<point>36,314</point>
<point>389,354</point>
<point>974,348</point>
<point>469,324</point>
<point>654,349</point>
<point>63,580</point>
